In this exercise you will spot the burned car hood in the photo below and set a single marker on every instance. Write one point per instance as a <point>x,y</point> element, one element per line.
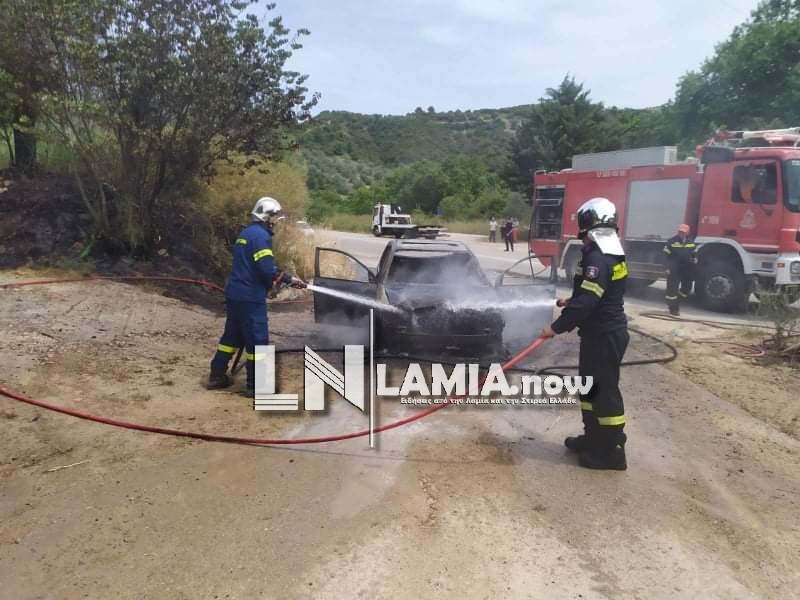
<point>415,297</point>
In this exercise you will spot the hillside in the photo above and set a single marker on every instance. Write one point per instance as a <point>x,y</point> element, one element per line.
<point>346,150</point>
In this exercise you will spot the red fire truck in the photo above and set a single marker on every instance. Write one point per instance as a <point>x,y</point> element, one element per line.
<point>740,196</point>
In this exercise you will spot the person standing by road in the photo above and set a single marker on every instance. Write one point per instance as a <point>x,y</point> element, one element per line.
<point>508,234</point>
<point>596,308</point>
<point>492,230</point>
<point>681,252</point>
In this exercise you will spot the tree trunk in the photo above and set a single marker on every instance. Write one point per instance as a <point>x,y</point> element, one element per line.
<point>24,151</point>
<point>8,138</point>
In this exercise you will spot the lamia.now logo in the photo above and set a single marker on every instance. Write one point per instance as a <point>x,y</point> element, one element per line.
<point>465,379</point>
<point>462,380</point>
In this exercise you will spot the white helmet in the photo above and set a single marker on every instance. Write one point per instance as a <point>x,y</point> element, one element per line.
<point>266,210</point>
<point>597,220</point>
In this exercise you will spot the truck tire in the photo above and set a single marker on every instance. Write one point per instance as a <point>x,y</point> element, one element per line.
<point>722,286</point>
<point>376,231</point>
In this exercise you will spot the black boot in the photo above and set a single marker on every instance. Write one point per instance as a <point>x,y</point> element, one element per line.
<point>577,443</point>
<point>611,459</point>
<point>218,381</point>
<point>674,310</point>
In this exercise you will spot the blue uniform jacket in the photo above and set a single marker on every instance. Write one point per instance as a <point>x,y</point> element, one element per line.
<point>254,267</point>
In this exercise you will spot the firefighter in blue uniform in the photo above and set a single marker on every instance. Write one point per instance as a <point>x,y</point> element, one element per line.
<point>681,252</point>
<point>596,309</point>
<point>253,273</point>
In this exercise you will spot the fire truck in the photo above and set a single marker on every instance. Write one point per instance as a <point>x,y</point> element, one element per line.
<point>740,195</point>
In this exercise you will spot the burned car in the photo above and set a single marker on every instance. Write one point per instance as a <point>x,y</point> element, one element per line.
<point>433,295</point>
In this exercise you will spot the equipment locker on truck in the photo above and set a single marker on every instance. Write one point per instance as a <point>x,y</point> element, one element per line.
<point>740,196</point>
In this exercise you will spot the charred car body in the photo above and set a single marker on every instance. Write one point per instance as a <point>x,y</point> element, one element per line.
<point>434,296</point>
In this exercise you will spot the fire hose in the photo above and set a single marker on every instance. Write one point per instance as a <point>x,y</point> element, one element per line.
<point>15,395</point>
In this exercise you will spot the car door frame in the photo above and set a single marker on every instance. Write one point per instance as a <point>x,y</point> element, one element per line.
<point>330,309</point>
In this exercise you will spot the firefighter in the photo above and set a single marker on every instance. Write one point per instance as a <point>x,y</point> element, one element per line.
<point>596,309</point>
<point>681,255</point>
<point>253,273</point>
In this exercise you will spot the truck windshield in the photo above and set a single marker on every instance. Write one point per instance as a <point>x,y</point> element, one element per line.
<point>791,176</point>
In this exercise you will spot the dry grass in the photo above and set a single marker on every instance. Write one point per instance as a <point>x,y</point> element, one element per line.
<point>294,250</point>
<point>233,191</point>
<point>476,226</point>
<point>224,204</point>
<point>338,266</point>
<point>348,222</point>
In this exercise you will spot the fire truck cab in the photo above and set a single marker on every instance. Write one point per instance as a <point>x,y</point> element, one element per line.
<point>740,196</point>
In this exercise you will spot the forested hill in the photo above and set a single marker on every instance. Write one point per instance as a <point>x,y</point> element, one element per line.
<point>423,135</point>
<point>345,150</point>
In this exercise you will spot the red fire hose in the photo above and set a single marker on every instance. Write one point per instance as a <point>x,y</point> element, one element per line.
<point>15,395</point>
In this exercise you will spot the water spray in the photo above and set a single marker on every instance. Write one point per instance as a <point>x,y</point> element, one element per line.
<point>497,304</point>
<point>355,298</point>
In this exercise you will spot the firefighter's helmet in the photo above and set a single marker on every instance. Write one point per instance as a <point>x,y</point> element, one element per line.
<point>597,221</point>
<point>594,213</point>
<point>267,210</point>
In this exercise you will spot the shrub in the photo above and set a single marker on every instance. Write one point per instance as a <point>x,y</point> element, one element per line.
<point>219,208</point>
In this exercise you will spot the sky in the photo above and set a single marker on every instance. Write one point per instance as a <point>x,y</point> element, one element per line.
<point>389,57</point>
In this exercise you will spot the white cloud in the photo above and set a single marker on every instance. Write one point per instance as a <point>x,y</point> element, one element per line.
<point>508,12</point>
<point>443,35</point>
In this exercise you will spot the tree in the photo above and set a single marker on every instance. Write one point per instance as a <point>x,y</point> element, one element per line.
<point>637,128</point>
<point>459,206</point>
<point>25,64</point>
<point>419,185</point>
<point>150,94</point>
<point>361,201</point>
<point>9,111</point>
<point>323,203</point>
<point>753,79</point>
<point>565,122</point>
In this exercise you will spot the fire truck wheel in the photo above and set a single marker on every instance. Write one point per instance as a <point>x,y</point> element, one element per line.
<point>721,286</point>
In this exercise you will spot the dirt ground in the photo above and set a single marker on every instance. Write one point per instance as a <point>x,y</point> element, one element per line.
<point>468,503</point>
<point>764,387</point>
